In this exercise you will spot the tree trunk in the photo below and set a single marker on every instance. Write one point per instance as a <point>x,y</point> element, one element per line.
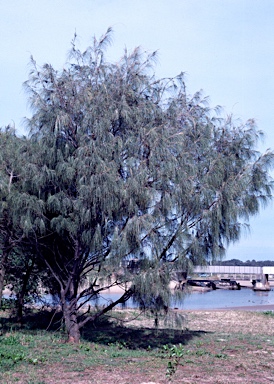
<point>73,331</point>
<point>3,266</point>
<point>19,310</point>
<point>72,326</point>
<point>22,293</point>
<point>70,318</point>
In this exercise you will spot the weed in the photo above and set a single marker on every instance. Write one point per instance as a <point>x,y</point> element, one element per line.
<point>85,347</point>
<point>268,313</point>
<point>201,352</point>
<point>174,354</point>
<point>199,343</point>
<point>36,382</point>
<point>118,344</point>
<point>221,355</point>
<point>12,339</point>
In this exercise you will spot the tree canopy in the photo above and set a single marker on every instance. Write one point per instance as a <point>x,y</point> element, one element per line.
<point>128,179</point>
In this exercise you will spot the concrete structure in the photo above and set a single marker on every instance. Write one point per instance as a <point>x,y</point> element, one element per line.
<point>237,272</point>
<point>268,270</point>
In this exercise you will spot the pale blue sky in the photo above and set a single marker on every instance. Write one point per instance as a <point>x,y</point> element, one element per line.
<point>226,47</point>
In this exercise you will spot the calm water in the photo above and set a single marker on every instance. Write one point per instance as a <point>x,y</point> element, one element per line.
<point>217,299</point>
<point>220,298</point>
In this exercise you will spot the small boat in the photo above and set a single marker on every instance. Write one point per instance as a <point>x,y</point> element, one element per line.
<point>259,285</point>
<point>227,284</point>
<point>201,285</point>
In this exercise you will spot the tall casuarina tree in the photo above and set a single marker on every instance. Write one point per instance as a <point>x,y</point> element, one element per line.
<point>131,167</point>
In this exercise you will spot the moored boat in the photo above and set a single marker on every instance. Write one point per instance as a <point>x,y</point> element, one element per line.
<point>259,285</point>
<point>227,284</point>
<point>201,285</point>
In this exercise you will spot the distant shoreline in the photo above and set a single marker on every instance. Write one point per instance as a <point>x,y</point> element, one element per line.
<point>250,308</point>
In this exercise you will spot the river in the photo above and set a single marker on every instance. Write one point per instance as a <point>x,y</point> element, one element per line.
<point>217,299</point>
<point>222,298</point>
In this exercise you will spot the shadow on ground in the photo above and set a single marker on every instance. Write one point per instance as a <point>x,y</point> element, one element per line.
<point>135,338</point>
<point>103,332</point>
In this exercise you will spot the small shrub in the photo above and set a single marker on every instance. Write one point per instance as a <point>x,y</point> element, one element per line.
<point>174,354</point>
<point>268,313</point>
<point>11,339</point>
<point>7,304</point>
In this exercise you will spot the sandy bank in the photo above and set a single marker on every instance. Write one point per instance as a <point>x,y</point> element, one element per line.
<point>251,308</point>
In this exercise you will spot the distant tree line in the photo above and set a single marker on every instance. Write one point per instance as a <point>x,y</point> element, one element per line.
<point>239,263</point>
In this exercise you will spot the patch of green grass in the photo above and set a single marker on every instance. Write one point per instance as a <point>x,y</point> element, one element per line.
<point>268,313</point>
<point>14,352</point>
<point>35,382</point>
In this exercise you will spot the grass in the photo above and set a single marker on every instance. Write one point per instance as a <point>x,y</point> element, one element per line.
<point>217,347</point>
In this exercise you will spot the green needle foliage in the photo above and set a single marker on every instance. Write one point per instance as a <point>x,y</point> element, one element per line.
<point>130,179</point>
<point>14,225</point>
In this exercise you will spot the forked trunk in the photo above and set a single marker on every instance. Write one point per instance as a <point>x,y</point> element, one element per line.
<point>72,324</point>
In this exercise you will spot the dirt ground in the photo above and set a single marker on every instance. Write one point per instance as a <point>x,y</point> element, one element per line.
<point>233,347</point>
<point>219,347</point>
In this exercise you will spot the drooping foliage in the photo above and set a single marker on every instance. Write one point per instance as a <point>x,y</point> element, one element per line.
<point>19,217</point>
<point>132,179</point>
